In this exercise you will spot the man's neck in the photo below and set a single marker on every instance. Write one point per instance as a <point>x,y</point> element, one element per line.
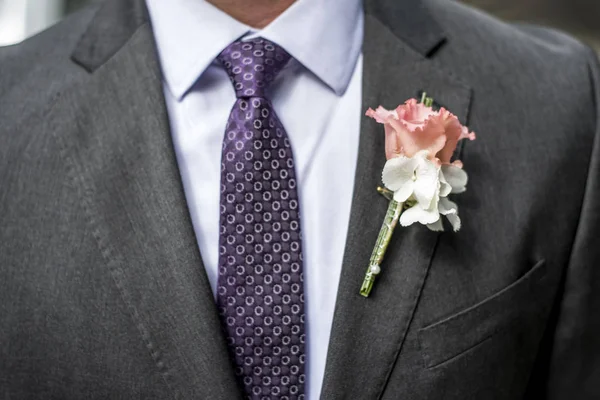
<point>255,13</point>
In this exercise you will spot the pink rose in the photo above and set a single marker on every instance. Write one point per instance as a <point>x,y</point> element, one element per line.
<point>413,127</point>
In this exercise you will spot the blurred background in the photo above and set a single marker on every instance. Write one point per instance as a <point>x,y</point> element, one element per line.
<point>22,18</point>
<point>580,18</point>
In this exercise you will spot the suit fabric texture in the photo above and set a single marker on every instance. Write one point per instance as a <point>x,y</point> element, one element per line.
<point>103,293</point>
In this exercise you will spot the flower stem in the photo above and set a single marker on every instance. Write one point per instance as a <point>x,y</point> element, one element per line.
<point>385,192</point>
<point>383,240</point>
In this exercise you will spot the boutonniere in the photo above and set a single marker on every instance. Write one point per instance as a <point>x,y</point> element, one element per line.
<point>418,176</point>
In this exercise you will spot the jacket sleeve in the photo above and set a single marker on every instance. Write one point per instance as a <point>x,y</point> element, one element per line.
<point>568,364</point>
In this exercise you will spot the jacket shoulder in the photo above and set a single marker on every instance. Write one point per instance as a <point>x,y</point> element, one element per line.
<point>32,75</point>
<point>518,67</point>
<point>496,46</point>
<point>36,66</point>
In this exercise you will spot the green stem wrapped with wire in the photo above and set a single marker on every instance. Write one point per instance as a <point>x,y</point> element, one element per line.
<point>383,240</point>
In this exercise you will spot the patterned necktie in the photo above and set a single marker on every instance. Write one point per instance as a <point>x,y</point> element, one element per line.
<point>260,286</point>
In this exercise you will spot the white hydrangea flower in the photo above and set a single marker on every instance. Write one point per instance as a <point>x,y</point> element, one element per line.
<point>425,185</point>
<point>456,177</point>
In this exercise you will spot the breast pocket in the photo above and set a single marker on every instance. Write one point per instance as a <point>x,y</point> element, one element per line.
<point>526,301</point>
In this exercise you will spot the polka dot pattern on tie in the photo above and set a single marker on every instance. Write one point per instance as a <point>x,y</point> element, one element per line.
<point>253,65</point>
<point>260,291</point>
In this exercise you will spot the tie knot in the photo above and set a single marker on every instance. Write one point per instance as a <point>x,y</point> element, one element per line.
<point>253,65</point>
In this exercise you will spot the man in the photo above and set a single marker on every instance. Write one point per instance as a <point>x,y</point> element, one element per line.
<point>154,157</point>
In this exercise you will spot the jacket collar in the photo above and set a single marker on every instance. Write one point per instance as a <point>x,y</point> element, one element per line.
<point>409,20</point>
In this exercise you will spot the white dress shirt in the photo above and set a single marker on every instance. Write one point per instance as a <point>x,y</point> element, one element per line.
<point>318,99</point>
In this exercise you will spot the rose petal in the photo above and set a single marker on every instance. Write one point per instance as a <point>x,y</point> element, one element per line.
<point>394,132</point>
<point>417,129</point>
<point>452,131</point>
<point>381,115</point>
<point>393,144</point>
<point>465,134</point>
<point>430,137</point>
<point>413,127</point>
<point>415,113</point>
<point>404,139</point>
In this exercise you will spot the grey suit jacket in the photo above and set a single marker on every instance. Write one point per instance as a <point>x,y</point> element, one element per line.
<point>103,294</point>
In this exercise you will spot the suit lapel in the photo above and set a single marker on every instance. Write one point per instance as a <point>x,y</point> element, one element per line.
<point>116,137</point>
<point>368,333</point>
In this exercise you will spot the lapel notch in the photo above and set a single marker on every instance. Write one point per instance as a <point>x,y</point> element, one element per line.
<point>411,22</point>
<point>111,28</point>
<point>368,333</point>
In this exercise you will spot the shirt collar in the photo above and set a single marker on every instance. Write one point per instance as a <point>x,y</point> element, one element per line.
<point>324,36</point>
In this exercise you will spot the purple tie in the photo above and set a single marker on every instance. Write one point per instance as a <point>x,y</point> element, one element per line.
<point>260,286</point>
